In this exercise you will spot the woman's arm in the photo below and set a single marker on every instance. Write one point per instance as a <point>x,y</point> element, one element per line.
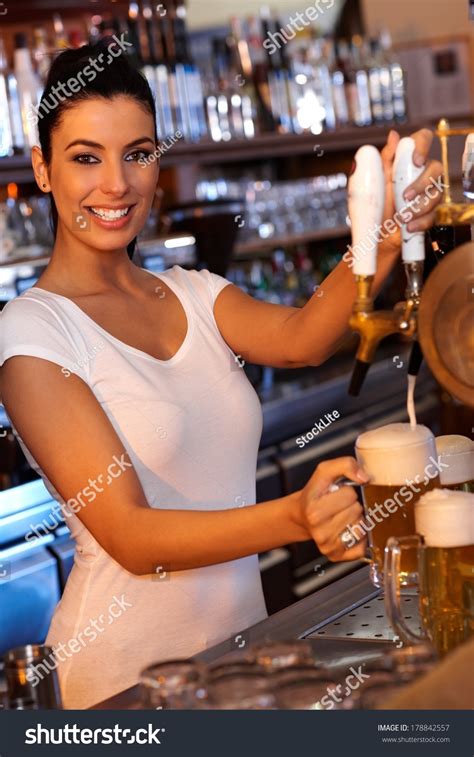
<point>288,337</point>
<point>73,441</point>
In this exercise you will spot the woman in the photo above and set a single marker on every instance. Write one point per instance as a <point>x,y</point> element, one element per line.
<point>124,390</point>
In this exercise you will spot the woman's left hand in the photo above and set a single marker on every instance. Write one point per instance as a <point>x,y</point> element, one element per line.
<point>421,205</point>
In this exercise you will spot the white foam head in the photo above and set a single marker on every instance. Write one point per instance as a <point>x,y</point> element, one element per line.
<point>457,452</point>
<point>445,518</point>
<point>395,453</point>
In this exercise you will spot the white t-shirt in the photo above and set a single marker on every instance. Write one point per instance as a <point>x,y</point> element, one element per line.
<point>191,426</point>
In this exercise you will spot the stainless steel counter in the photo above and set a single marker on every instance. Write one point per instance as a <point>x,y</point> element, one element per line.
<point>345,623</point>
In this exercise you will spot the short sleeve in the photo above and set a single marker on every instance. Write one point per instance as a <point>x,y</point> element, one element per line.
<point>214,282</point>
<point>30,326</point>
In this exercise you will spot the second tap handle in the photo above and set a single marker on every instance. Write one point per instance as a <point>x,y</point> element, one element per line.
<point>405,173</point>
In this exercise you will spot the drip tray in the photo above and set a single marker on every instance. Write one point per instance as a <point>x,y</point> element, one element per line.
<point>368,622</point>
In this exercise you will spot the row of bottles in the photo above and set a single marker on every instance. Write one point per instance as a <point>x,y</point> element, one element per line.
<point>283,278</point>
<point>248,85</point>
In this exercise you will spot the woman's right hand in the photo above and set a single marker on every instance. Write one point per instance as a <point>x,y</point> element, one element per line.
<point>326,514</point>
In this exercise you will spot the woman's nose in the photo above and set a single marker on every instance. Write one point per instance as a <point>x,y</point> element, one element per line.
<point>114,180</point>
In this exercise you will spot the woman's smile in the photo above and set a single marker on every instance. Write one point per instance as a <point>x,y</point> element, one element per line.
<point>111,217</point>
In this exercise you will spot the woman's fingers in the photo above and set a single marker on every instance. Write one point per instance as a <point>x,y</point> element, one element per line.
<point>323,510</point>
<point>328,532</point>
<point>329,471</point>
<point>423,139</point>
<point>388,152</point>
<point>427,186</point>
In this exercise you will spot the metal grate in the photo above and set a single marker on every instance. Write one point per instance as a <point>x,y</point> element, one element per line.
<point>368,621</point>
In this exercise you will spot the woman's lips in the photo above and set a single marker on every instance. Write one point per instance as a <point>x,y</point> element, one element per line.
<point>115,223</point>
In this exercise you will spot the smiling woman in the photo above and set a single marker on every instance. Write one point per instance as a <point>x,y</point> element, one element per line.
<point>163,392</point>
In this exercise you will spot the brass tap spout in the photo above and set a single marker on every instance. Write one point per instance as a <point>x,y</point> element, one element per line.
<point>374,325</point>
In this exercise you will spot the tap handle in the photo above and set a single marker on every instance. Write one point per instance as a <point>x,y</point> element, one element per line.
<point>405,173</point>
<point>366,197</point>
<point>468,167</point>
<point>359,373</point>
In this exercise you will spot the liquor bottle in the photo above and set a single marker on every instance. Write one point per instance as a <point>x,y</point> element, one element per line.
<point>339,87</point>
<point>322,83</point>
<point>397,78</point>
<point>359,96</point>
<point>29,87</point>
<point>145,36</point>
<point>6,136</point>
<point>164,111</point>
<point>218,105</point>
<point>280,106</point>
<point>60,37</point>
<point>244,99</point>
<point>259,66</point>
<point>133,33</point>
<point>375,83</point>
<point>41,52</point>
<point>192,82</point>
<point>385,80</point>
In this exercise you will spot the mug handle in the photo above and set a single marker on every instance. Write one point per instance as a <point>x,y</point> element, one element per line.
<point>393,553</point>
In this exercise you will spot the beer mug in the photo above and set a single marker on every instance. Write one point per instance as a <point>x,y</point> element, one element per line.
<point>402,464</point>
<point>444,548</point>
<point>457,455</point>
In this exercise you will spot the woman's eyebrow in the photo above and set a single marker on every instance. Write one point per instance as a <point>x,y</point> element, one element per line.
<point>89,143</point>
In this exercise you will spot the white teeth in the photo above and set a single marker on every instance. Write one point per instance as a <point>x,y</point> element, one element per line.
<point>110,215</point>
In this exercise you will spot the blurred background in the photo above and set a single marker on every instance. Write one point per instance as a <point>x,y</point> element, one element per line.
<point>255,189</point>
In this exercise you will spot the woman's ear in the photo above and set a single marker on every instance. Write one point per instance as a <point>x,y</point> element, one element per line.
<point>40,169</point>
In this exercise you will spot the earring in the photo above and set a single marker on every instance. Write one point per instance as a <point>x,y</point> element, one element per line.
<point>44,185</point>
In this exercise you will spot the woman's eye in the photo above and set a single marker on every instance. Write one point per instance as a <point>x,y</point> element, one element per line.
<point>138,154</point>
<point>85,159</point>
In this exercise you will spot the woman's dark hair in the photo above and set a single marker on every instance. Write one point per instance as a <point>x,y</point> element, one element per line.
<point>118,77</point>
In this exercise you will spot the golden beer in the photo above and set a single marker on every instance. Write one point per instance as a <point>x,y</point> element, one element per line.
<point>402,465</point>
<point>444,546</point>
<point>401,521</point>
<point>457,452</point>
<point>445,520</point>
<point>447,594</point>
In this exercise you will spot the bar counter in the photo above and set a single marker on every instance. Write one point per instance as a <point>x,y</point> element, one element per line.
<point>333,619</point>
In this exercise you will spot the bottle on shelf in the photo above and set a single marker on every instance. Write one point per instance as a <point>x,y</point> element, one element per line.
<point>277,78</point>
<point>358,86</point>
<point>6,135</point>
<point>244,96</point>
<point>60,37</point>
<point>189,82</point>
<point>41,54</point>
<point>29,87</point>
<point>397,78</point>
<point>338,83</point>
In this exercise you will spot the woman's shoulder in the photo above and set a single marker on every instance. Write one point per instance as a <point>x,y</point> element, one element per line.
<point>202,283</point>
<point>35,324</point>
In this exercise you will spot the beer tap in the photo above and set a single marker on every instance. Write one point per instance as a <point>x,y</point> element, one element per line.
<point>366,201</point>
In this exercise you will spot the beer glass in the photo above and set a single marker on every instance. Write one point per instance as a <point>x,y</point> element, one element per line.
<point>444,546</point>
<point>402,464</point>
<point>456,453</point>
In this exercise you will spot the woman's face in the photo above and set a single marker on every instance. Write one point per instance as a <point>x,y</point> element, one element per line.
<point>102,192</point>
